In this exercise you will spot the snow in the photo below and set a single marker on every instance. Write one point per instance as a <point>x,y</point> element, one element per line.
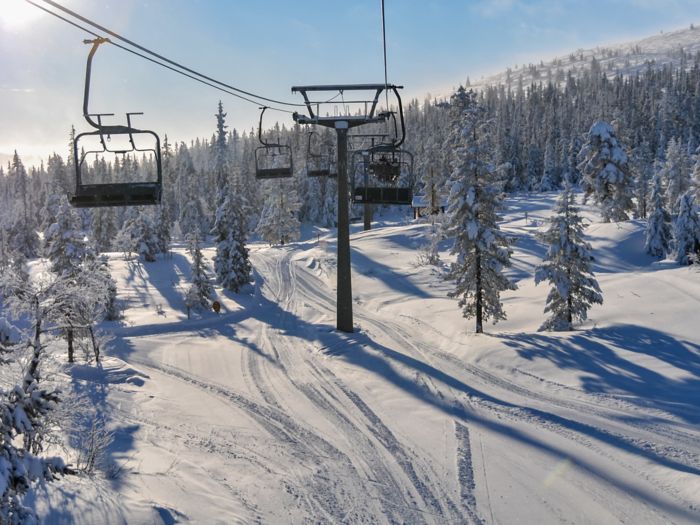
<point>627,58</point>
<point>265,414</point>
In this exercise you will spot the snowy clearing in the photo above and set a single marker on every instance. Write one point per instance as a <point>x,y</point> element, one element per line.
<point>265,414</point>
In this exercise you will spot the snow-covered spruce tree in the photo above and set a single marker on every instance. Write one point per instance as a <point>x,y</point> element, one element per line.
<point>644,169</point>
<point>482,249</point>
<point>220,151</point>
<point>231,262</point>
<point>162,226</point>
<point>606,172</point>
<point>139,235</point>
<point>188,195</point>
<point>549,180</point>
<point>23,237</point>
<point>328,213</point>
<point>25,407</point>
<point>66,247</point>
<point>433,184</point>
<point>686,230</point>
<point>658,233</point>
<point>279,222</point>
<point>675,174</point>
<point>200,291</point>
<point>65,243</point>
<point>696,177</point>
<point>567,267</point>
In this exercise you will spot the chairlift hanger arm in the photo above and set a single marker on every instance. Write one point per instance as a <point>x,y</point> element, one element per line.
<point>88,73</point>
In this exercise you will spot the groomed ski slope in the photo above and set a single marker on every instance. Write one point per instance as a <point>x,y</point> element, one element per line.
<point>265,414</point>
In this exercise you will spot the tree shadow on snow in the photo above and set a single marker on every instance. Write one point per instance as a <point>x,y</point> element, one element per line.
<point>404,372</point>
<point>97,391</point>
<point>612,361</point>
<point>391,278</point>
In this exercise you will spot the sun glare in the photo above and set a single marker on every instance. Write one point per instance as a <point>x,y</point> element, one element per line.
<point>17,13</point>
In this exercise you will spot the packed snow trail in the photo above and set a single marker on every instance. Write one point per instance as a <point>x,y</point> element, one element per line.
<point>267,414</point>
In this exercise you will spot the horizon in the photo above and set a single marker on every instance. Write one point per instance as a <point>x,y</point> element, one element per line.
<point>42,93</point>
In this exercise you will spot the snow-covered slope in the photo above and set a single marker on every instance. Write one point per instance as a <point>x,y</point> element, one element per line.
<point>265,414</point>
<point>626,58</point>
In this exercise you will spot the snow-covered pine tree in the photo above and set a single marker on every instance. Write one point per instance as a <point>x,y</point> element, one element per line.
<point>162,226</point>
<point>188,192</point>
<point>200,291</point>
<point>433,184</point>
<point>25,407</point>
<point>686,230</point>
<point>606,172</point>
<point>328,212</point>
<point>65,243</point>
<point>534,167</point>
<point>658,233</point>
<point>221,164</point>
<point>644,170</point>
<point>139,235</point>
<point>67,248</point>
<point>567,267</point>
<point>675,174</point>
<point>549,180</point>
<point>23,237</point>
<point>279,222</point>
<point>482,249</point>
<point>231,262</point>
<point>696,177</point>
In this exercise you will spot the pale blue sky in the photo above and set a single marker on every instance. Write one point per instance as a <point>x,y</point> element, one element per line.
<point>268,46</point>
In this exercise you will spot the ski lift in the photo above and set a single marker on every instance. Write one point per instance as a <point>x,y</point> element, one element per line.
<point>319,164</point>
<point>387,166</point>
<point>93,195</point>
<point>385,159</point>
<point>386,162</point>
<point>272,161</point>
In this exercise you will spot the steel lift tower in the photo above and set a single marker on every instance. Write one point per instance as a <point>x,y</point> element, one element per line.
<point>342,123</point>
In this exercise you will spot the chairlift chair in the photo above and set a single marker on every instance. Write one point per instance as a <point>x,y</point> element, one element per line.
<point>93,195</point>
<point>386,162</point>
<point>272,161</point>
<point>319,164</point>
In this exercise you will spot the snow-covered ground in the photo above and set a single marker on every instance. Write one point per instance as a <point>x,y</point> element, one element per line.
<point>265,414</point>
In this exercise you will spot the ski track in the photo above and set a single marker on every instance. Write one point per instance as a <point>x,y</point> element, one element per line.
<point>465,471</point>
<point>366,458</point>
<point>285,273</point>
<point>534,416</point>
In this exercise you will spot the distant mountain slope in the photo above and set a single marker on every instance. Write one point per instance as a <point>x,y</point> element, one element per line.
<point>627,58</point>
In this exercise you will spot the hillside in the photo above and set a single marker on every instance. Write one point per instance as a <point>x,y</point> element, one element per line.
<point>266,414</point>
<point>613,59</point>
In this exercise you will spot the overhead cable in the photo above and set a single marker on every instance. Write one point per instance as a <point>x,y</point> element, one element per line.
<point>183,70</point>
